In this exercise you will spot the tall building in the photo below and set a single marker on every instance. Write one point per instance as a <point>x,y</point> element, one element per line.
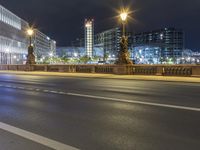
<point>13,40</point>
<point>169,40</point>
<point>89,37</point>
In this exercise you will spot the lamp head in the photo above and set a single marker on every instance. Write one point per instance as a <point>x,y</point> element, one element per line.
<point>124,16</point>
<point>30,32</point>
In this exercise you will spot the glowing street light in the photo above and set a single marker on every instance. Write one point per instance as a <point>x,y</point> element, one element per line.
<point>124,16</point>
<point>123,56</point>
<point>30,33</point>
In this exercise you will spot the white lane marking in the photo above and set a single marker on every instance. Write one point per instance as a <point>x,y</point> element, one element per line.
<point>36,138</point>
<point>137,102</point>
<point>112,86</point>
<point>55,92</point>
<point>115,99</point>
<point>21,88</point>
<point>46,91</point>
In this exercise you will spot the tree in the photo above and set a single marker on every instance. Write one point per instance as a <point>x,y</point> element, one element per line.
<point>96,58</point>
<point>106,56</point>
<point>84,59</point>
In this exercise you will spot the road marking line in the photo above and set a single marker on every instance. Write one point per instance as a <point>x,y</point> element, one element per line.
<point>21,88</point>
<point>36,138</point>
<point>137,102</point>
<point>116,99</point>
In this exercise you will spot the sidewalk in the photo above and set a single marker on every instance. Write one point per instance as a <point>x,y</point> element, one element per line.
<point>108,76</point>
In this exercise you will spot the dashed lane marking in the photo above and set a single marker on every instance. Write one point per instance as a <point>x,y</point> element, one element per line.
<point>108,98</point>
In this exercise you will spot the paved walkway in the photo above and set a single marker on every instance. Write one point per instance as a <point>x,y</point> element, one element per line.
<point>108,76</point>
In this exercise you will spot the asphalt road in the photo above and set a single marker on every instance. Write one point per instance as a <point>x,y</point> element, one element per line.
<point>98,114</point>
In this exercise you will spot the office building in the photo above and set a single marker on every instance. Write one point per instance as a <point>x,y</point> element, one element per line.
<point>43,45</point>
<point>169,40</point>
<point>89,37</point>
<point>147,55</point>
<point>76,52</point>
<point>13,40</point>
<point>109,41</point>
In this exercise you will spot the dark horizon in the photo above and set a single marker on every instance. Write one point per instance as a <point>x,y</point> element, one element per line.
<point>63,21</point>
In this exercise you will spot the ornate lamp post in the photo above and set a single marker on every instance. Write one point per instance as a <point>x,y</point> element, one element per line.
<point>123,56</point>
<point>30,57</point>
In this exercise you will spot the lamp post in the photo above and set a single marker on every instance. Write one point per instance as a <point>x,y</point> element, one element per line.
<point>123,56</point>
<point>31,57</point>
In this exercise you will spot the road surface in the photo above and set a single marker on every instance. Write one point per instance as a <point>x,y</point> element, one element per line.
<point>46,112</point>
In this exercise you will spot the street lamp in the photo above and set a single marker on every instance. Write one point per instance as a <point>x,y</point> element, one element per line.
<point>31,57</point>
<point>30,33</point>
<point>123,56</point>
<point>124,16</point>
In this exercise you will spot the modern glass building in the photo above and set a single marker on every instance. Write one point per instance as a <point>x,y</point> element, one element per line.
<point>147,55</point>
<point>109,41</point>
<point>169,40</point>
<point>89,37</point>
<point>13,41</point>
<point>76,52</point>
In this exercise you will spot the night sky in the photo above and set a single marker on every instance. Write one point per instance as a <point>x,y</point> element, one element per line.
<point>63,20</point>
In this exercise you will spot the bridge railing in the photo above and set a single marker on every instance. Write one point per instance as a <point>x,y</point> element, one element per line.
<point>162,70</point>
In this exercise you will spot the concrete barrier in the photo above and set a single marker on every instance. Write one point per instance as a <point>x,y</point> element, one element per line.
<point>159,70</point>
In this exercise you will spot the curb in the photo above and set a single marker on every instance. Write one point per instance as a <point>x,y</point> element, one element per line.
<point>104,77</point>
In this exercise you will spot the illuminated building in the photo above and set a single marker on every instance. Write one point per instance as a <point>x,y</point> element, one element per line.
<point>169,40</point>
<point>89,37</point>
<point>109,41</point>
<point>43,45</point>
<point>14,41</point>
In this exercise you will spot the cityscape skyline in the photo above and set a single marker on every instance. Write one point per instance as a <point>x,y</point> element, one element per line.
<point>146,12</point>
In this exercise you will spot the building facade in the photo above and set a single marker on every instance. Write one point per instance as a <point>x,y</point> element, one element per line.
<point>109,41</point>
<point>43,45</point>
<point>169,40</point>
<point>13,40</point>
<point>76,52</point>
<point>89,37</point>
